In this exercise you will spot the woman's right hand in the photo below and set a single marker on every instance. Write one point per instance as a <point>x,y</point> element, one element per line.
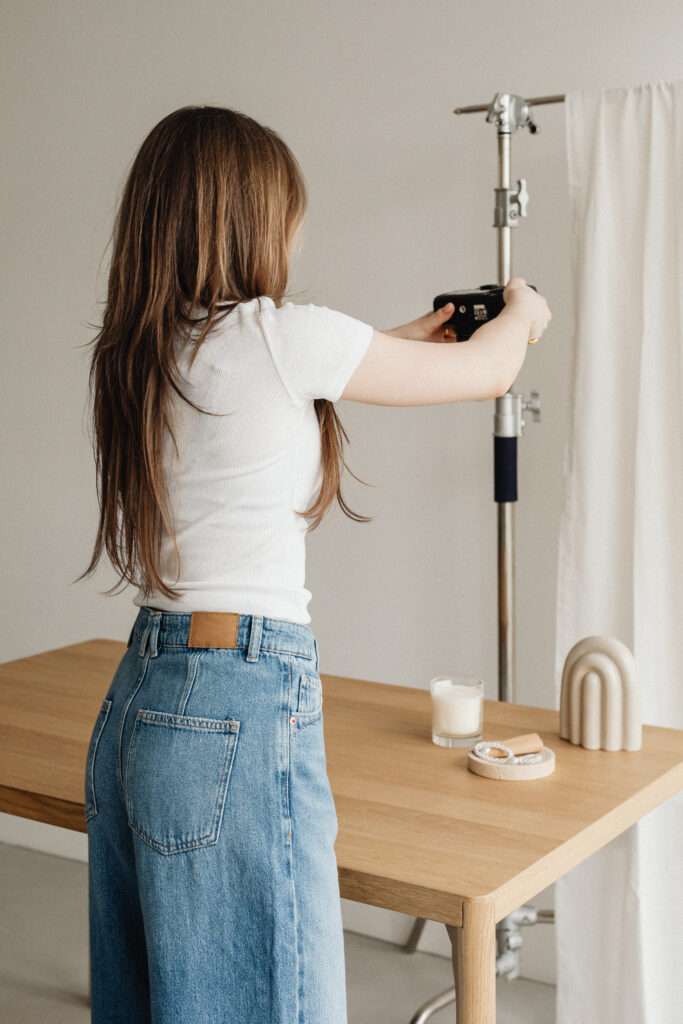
<point>524,300</point>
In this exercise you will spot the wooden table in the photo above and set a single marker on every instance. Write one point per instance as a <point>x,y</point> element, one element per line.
<point>418,833</point>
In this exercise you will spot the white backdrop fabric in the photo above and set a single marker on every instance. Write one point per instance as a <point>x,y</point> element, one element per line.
<point>620,914</point>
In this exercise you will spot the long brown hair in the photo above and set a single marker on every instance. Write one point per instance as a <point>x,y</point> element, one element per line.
<point>207,215</point>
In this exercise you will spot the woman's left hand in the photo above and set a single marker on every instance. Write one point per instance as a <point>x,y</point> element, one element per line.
<point>428,327</point>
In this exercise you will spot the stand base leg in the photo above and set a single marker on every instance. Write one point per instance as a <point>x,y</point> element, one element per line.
<point>415,934</point>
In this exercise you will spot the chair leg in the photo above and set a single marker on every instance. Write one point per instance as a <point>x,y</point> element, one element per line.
<point>415,935</point>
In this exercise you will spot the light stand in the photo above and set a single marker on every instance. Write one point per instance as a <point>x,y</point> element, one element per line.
<point>508,112</point>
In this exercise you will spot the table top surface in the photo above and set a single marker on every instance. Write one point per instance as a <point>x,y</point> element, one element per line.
<point>418,832</point>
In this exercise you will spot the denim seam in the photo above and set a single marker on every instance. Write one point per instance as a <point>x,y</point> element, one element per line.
<point>289,849</point>
<point>195,723</point>
<point>103,714</point>
<point>289,705</point>
<point>300,958</point>
<point>190,679</point>
<point>230,754</point>
<point>124,716</point>
<point>164,645</point>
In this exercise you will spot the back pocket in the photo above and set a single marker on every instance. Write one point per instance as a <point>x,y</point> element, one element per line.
<point>177,776</point>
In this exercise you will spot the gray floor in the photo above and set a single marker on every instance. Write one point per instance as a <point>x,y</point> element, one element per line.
<point>43,957</point>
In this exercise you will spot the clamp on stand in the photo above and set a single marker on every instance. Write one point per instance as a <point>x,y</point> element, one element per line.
<point>511,204</point>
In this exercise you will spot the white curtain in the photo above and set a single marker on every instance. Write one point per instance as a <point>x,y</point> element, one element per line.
<point>620,914</point>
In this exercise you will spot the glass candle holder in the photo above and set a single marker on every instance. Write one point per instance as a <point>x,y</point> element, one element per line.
<point>457,710</point>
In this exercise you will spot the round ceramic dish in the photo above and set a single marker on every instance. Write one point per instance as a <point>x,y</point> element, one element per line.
<point>513,772</point>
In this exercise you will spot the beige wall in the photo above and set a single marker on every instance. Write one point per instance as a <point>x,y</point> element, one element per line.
<point>401,208</point>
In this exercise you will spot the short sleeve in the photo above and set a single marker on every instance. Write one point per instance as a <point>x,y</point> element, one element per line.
<point>315,349</point>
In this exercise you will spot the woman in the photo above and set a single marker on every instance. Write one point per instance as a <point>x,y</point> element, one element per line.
<point>211,822</point>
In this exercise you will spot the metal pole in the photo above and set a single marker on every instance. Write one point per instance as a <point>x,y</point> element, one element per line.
<point>504,249</point>
<point>505,509</point>
<point>508,112</point>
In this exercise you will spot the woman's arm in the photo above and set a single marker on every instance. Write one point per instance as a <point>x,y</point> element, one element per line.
<point>406,371</point>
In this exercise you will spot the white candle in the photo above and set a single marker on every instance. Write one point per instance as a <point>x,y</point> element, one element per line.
<point>456,708</point>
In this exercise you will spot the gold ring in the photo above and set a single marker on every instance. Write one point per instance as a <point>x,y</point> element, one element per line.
<point>532,341</point>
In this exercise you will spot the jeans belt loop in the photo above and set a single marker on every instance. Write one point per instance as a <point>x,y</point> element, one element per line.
<point>142,646</point>
<point>255,633</point>
<point>149,641</point>
<point>153,641</point>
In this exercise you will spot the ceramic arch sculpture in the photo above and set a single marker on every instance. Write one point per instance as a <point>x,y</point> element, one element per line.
<point>599,700</point>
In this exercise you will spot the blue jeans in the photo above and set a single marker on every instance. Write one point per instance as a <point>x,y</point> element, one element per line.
<point>213,887</point>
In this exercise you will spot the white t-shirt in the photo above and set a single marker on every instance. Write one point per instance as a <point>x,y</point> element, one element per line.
<point>238,479</point>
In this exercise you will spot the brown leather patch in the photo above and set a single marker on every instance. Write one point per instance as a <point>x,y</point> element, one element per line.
<point>213,629</point>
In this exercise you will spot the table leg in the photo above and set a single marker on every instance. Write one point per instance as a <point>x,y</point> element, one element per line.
<point>474,963</point>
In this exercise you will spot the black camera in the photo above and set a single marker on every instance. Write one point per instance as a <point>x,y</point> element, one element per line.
<point>473,308</point>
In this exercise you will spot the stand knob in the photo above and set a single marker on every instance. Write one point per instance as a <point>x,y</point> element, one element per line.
<point>532,404</point>
<point>519,200</point>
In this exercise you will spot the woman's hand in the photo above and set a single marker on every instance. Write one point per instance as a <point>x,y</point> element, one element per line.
<point>428,327</point>
<point>523,299</point>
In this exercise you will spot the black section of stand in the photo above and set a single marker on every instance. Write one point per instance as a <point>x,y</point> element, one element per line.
<point>505,469</point>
